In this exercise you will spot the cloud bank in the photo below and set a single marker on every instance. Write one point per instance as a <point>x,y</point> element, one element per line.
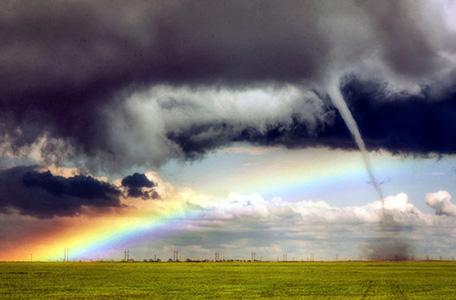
<point>308,229</point>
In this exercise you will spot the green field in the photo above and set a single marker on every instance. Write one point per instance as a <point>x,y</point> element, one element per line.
<point>337,280</point>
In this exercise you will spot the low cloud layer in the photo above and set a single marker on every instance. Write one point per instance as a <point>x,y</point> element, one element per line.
<point>242,207</point>
<point>309,230</point>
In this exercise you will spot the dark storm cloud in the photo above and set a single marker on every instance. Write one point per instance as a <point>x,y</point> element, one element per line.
<point>62,62</point>
<point>418,124</point>
<point>137,180</point>
<point>406,123</point>
<point>400,123</point>
<point>44,195</point>
<point>66,65</point>
<point>135,184</point>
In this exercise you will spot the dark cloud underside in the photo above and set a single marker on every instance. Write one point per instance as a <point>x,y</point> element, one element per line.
<point>44,195</point>
<point>418,124</point>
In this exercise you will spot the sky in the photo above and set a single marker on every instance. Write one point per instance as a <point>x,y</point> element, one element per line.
<point>320,129</point>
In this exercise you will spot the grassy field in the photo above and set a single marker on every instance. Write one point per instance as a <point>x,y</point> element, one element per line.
<point>338,280</point>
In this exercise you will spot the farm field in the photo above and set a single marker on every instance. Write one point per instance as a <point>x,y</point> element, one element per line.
<point>315,280</point>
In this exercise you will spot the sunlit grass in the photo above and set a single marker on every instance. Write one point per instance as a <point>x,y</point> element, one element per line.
<point>336,280</point>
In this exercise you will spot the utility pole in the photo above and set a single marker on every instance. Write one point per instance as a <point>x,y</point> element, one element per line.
<point>126,255</point>
<point>175,254</point>
<point>65,254</point>
<point>252,256</point>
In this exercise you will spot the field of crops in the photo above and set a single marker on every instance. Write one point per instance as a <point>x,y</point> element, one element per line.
<point>337,280</point>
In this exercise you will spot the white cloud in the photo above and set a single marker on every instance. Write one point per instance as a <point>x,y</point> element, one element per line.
<point>441,202</point>
<point>238,206</point>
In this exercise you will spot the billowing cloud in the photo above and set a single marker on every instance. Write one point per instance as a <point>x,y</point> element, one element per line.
<point>41,194</point>
<point>441,202</point>
<point>69,71</point>
<point>189,122</point>
<point>238,207</point>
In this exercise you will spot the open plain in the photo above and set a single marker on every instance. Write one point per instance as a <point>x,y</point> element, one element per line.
<point>290,280</point>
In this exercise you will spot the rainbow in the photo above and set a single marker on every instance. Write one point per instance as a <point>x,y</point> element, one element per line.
<point>313,174</point>
<point>95,237</point>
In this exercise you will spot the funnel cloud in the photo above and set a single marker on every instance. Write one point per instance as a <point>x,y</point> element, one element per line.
<point>341,105</point>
